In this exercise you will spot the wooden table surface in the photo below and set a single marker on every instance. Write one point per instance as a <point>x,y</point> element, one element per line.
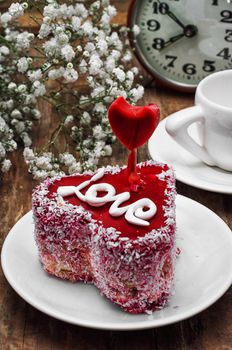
<point>24,327</point>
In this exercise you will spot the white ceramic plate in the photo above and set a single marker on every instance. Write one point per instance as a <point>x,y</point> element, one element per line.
<point>203,274</point>
<point>189,169</point>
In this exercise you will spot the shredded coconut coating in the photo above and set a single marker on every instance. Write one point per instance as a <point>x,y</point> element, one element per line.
<point>136,274</point>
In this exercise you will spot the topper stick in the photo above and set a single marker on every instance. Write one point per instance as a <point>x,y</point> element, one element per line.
<point>132,161</point>
<point>134,178</point>
<point>133,125</point>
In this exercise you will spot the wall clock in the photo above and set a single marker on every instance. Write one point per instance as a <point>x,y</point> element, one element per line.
<point>182,41</point>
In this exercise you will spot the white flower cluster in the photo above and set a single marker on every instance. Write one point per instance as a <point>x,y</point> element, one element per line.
<point>15,10</point>
<point>17,104</point>
<point>74,42</point>
<point>41,165</point>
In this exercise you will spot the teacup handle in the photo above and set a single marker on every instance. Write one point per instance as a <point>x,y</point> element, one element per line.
<point>177,125</point>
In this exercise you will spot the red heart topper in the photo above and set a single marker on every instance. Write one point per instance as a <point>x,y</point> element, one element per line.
<point>133,125</point>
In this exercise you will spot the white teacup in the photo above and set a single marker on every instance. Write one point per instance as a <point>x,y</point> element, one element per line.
<point>213,112</point>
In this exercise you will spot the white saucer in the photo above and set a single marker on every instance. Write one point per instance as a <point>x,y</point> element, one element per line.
<point>189,169</point>
<point>203,274</point>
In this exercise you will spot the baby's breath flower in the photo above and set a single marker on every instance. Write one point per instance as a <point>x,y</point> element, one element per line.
<point>44,31</point>
<point>75,168</point>
<point>16,114</point>
<point>87,28</point>
<point>137,93</point>
<point>136,29</point>
<point>67,159</point>
<point>12,86</point>
<point>5,18</point>
<point>16,10</point>
<point>107,150</point>
<point>127,57</point>
<point>56,73</point>
<point>43,162</point>
<point>85,118</point>
<point>39,174</point>
<point>34,75</point>
<point>28,154</point>
<point>76,23</point>
<point>120,74</point>
<point>22,88</point>
<point>36,113</point>
<point>135,70</point>
<point>25,5</point>
<point>5,165</point>
<point>26,139</point>
<point>70,75</point>
<point>98,132</point>
<point>67,53</point>
<point>2,151</point>
<point>22,65</point>
<point>4,50</point>
<point>68,120</point>
<point>38,88</point>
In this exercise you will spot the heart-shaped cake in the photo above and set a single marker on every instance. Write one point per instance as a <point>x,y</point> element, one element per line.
<point>93,228</point>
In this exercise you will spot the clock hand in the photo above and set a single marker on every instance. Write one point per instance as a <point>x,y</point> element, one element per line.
<point>173,17</point>
<point>172,40</point>
<point>189,32</point>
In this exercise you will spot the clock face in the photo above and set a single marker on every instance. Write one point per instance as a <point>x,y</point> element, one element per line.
<point>182,41</point>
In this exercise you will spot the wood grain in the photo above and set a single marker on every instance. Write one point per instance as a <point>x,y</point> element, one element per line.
<point>25,328</point>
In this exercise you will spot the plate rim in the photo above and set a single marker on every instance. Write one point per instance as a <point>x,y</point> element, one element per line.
<point>116,325</point>
<point>203,185</point>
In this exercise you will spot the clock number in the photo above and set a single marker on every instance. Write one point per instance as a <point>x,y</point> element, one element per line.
<point>158,43</point>
<point>228,37</point>
<point>227,16</point>
<point>172,60</point>
<point>224,53</point>
<point>161,8</point>
<point>215,3</point>
<point>208,66</point>
<point>189,68</point>
<point>153,25</point>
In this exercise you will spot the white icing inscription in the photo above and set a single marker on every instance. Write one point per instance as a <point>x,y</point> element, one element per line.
<point>136,213</point>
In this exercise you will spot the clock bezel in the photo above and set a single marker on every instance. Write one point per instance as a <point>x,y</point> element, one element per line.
<point>159,78</point>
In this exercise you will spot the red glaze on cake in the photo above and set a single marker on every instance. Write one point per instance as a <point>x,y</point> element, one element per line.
<point>131,265</point>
